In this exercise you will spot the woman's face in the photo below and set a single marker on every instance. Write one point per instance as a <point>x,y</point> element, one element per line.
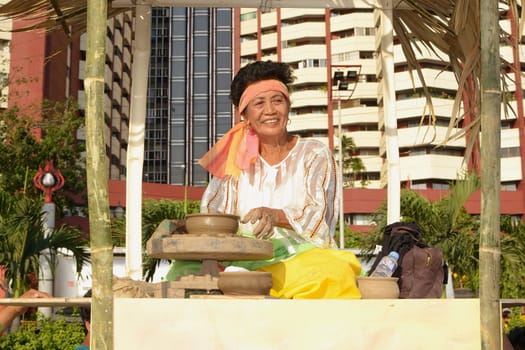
<point>267,114</point>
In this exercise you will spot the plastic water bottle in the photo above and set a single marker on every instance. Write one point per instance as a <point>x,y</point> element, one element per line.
<point>387,265</point>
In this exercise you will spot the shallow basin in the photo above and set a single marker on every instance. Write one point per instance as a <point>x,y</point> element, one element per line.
<point>378,287</point>
<point>245,283</point>
<point>205,223</point>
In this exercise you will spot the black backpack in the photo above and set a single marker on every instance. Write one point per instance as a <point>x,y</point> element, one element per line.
<point>421,269</point>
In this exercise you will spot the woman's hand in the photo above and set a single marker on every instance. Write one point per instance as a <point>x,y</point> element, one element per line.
<point>267,219</point>
<point>31,293</point>
<point>9,313</point>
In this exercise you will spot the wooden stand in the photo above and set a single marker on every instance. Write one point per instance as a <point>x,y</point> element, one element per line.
<point>208,248</point>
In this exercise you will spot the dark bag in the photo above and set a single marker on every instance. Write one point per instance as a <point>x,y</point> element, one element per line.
<point>421,273</point>
<point>421,269</point>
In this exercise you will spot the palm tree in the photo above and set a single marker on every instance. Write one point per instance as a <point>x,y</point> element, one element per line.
<point>464,31</point>
<point>23,239</point>
<point>446,225</point>
<point>352,166</point>
<point>513,259</point>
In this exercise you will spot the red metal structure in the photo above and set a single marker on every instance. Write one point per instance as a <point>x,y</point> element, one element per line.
<point>49,179</point>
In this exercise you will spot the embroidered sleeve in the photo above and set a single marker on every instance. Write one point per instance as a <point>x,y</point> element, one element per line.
<point>315,219</point>
<point>219,196</point>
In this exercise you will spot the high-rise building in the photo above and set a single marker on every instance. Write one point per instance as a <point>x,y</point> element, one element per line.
<point>196,51</point>
<point>188,91</point>
<point>318,44</point>
<point>6,25</point>
<point>330,47</point>
<point>117,89</point>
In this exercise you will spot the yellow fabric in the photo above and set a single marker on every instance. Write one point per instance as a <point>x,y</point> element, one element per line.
<point>316,274</point>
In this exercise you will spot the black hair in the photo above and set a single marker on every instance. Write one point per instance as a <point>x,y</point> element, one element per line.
<point>517,338</point>
<point>256,71</point>
<point>85,312</point>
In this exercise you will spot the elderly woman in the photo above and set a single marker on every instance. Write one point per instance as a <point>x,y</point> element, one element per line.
<point>283,187</point>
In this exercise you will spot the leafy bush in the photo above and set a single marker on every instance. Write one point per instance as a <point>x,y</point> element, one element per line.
<point>448,226</point>
<point>153,213</point>
<point>516,319</point>
<point>45,334</point>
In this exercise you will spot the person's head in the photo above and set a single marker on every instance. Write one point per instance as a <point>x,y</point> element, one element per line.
<point>85,314</point>
<point>260,90</point>
<point>506,314</point>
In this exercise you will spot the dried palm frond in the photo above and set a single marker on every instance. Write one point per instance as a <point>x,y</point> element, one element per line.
<point>451,30</point>
<point>52,15</point>
<point>448,28</point>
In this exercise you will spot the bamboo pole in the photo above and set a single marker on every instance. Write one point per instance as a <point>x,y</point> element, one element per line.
<point>47,302</point>
<point>489,248</point>
<point>97,179</point>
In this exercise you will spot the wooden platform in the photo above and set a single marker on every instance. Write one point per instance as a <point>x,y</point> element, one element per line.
<point>274,324</point>
<point>209,247</point>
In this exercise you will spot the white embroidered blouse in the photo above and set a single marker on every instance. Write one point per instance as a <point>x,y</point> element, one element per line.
<point>304,185</point>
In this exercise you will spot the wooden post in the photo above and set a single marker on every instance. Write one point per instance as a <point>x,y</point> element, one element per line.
<point>489,248</point>
<point>97,179</point>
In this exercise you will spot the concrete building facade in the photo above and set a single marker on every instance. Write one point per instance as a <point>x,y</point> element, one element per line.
<point>117,89</point>
<point>194,55</point>
<point>317,43</point>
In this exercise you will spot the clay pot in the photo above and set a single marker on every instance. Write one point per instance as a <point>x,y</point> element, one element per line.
<point>378,287</point>
<point>212,223</point>
<point>245,283</point>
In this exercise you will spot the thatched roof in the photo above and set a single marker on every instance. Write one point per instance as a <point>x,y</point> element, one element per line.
<point>448,26</point>
<point>64,15</point>
<point>51,15</point>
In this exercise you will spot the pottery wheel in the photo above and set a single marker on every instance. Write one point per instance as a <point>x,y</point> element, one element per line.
<point>209,247</point>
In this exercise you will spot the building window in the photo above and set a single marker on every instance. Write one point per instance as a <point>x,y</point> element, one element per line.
<point>360,219</point>
<point>509,186</point>
<point>418,185</point>
<point>440,186</point>
<point>366,31</point>
<point>312,62</point>
<point>248,16</point>
<point>510,152</point>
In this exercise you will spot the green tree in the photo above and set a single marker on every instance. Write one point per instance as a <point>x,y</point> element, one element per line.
<point>153,213</point>
<point>24,237</point>
<point>512,259</point>
<point>21,153</point>
<point>468,32</point>
<point>353,166</point>
<point>446,224</point>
